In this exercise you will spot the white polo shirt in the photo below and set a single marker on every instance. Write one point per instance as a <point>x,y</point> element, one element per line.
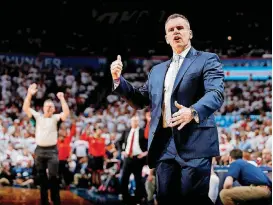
<point>46,132</point>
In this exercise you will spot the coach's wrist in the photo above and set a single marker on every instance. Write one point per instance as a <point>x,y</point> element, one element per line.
<point>194,114</point>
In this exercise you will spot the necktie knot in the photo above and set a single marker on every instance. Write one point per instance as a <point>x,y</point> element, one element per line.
<point>176,58</point>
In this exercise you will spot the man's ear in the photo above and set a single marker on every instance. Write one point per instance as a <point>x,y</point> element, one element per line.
<point>191,34</point>
<point>167,39</point>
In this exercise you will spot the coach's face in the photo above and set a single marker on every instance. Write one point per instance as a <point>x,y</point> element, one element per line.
<point>178,34</point>
<point>49,109</point>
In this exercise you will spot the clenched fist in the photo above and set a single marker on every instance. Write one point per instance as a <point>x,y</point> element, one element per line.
<point>116,68</point>
<point>32,89</point>
<point>60,95</point>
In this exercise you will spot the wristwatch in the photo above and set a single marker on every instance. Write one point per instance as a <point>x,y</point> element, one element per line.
<point>194,115</point>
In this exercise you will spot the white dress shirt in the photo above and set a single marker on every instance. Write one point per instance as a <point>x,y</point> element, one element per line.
<point>168,86</point>
<point>136,147</point>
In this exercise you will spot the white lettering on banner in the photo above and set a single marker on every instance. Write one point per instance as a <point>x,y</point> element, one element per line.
<point>102,60</point>
<point>19,60</point>
<point>52,61</point>
<point>28,60</point>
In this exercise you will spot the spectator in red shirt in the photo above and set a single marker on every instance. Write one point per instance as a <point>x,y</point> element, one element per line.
<point>86,133</point>
<point>97,150</point>
<point>64,152</point>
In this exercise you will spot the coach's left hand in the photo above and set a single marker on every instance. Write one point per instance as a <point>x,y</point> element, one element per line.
<point>182,117</point>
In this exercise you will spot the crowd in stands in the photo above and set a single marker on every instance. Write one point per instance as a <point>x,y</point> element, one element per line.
<point>90,151</point>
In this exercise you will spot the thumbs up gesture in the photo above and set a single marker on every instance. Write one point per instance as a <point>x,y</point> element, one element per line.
<point>116,68</point>
<point>182,117</point>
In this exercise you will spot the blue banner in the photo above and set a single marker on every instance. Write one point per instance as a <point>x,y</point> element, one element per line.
<point>53,61</point>
<point>234,68</point>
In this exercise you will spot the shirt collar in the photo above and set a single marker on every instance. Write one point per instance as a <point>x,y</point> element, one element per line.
<point>183,53</point>
<point>135,129</point>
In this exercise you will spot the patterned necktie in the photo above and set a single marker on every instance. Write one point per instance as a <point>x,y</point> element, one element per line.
<point>176,59</point>
<point>131,145</point>
<point>167,114</point>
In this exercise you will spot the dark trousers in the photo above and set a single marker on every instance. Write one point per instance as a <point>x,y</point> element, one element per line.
<point>182,180</point>
<point>47,158</point>
<point>64,172</point>
<point>132,166</point>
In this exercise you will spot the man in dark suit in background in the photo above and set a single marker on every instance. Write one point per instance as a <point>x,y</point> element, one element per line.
<point>134,146</point>
<point>183,93</point>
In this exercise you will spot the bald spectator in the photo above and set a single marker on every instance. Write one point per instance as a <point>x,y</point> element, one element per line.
<point>267,157</point>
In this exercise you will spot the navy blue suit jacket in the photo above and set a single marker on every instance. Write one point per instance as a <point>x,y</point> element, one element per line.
<point>199,83</point>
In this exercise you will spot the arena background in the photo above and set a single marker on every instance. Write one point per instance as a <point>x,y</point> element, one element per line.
<point>68,46</point>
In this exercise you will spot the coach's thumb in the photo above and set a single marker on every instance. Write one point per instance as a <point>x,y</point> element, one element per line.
<point>119,58</point>
<point>178,105</point>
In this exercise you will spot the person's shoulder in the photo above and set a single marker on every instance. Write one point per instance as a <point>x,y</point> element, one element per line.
<point>253,163</point>
<point>209,57</point>
<point>164,63</point>
<point>161,65</point>
<point>208,54</point>
<point>241,162</point>
<point>56,116</point>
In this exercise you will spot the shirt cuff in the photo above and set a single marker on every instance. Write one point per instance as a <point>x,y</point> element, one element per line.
<point>116,83</point>
<point>195,115</point>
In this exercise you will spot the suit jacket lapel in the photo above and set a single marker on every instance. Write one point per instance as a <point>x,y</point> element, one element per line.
<point>161,77</point>
<point>190,57</point>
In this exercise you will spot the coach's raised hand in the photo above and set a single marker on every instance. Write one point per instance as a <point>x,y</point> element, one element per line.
<point>116,68</point>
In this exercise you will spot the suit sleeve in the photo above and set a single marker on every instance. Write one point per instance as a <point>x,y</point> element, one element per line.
<point>136,97</point>
<point>213,76</point>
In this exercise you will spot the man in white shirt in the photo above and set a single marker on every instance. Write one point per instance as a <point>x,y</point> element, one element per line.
<point>46,153</point>
<point>80,148</point>
<point>134,146</point>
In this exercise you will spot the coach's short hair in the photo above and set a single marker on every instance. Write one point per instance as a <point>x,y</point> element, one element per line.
<point>173,16</point>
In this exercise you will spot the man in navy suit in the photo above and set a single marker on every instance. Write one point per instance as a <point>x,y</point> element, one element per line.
<point>183,93</point>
